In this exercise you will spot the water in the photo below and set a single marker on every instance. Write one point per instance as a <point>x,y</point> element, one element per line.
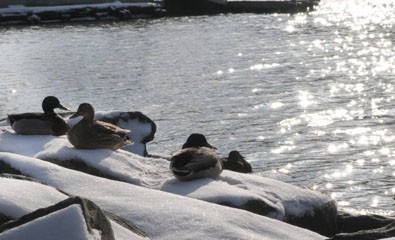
<point>307,96</point>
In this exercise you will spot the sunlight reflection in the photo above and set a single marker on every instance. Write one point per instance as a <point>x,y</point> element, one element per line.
<point>256,90</point>
<point>284,148</point>
<point>332,148</point>
<point>375,202</point>
<point>276,105</point>
<point>290,28</point>
<point>343,203</point>
<point>305,99</point>
<point>378,170</point>
<point>361,162</point>
<point>283,170</point>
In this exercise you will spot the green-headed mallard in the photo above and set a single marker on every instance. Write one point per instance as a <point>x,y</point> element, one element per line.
<point>93,134</point>
<point>195,162</point>
<point>236,162</point>
<point>47,123</point>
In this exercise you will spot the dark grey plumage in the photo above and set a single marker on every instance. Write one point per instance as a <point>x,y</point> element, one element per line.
<point>236,162</point>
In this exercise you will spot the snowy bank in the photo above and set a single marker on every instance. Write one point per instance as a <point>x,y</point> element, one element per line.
<point>161,215</point>
<point>44,214</point>
<point>264,196</point>
<point>21,14</point>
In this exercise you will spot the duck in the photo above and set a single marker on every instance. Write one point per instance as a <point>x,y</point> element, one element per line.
<point>236,162</point>
<point>193,161</point>
<point>47,123</point>
<point>89,133</point>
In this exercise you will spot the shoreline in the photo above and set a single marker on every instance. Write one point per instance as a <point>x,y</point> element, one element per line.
<point>19,15</point>
<point>22,12</point>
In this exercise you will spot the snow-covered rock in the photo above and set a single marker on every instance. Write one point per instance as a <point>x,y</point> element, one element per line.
<point>111,10</point>
<point>264,196</point>
<point>25,199</point>
<point>161,215</point>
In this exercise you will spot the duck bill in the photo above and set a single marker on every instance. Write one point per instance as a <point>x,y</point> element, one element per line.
<point>63,107</point>
<point>210,146</point>
<point>77,114</point>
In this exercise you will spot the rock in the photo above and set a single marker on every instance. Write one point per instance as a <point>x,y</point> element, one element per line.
<point>49,201</point>
<point>4,219</point>
<point>127,224</point>
<point>352,226</point>
<point>6,168</point>
<point>254,205</point>
<point>323,221</point>
<point>163,215</point>
<point>81,166</point>
<point>79,12</point>
<point>347,222</point>
<point>256,194</point>
<point>387,231</point>
<point>93,217</point>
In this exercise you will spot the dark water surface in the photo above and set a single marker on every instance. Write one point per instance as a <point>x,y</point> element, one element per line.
<point>310,96</point>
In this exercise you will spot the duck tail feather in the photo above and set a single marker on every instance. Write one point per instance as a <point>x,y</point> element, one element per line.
<point>181,172</point>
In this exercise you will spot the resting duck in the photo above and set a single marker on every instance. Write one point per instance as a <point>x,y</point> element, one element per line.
<point>47,123</point>
<point>236,162</point>
<point>93,134</point>
<point>194,162</point>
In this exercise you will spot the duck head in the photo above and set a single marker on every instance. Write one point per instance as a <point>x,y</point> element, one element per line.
<point>86,111</point>
<point>235,156</point>
<point>197,140</point>
<point>50,103</point>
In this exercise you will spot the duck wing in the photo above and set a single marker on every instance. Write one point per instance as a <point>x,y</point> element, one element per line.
<point>194,160</point>
<point>59,125</point>
<point>16,117</point>
<point>108,128</point>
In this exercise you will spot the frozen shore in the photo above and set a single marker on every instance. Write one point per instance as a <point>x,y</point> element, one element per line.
<point>135,197</point>
<point>21,14</point>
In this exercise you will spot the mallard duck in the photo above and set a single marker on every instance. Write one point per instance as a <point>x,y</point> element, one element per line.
<point>93,134</point>
<point>47,123</point>
<point>194,162</point>
<point>236,162</point>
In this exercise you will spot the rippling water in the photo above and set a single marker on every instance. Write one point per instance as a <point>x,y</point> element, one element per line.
<point>309,96</point>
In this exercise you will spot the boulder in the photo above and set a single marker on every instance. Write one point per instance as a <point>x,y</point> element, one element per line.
<point>92,216</point>
<point>387,231</point>
<point>359,227</point>
<point>20,215</point>
<point>161,214</point>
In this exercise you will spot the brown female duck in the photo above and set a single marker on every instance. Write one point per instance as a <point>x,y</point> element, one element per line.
<point>93,134</point>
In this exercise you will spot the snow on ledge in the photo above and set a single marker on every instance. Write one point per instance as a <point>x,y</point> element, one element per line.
<point>24,9</point>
